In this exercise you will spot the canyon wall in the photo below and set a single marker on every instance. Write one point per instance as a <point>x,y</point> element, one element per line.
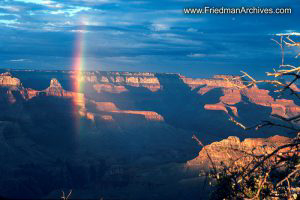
<point>233,150</point>
<point>6,79</point>
<point>140,123</point>
<point>117,82</point>
<point>120,83</point>
<point>80,100</point>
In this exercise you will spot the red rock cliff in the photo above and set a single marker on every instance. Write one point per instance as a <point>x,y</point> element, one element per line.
<point>231,149</point>
<point>6,79</point>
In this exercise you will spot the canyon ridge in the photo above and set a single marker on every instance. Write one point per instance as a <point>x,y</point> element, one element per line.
<point>126,135</point>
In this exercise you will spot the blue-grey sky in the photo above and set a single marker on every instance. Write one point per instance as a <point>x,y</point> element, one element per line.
<point>143,35</point>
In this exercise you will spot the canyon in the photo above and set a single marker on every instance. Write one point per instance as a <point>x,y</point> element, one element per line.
<point>125,135</point>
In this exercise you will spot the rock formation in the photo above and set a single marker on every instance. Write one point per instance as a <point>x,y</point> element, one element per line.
<point>53,137</point>
<point>115,81</point>
<point>232,149</point>
<point>105,87</point>
<point>149,115</point>
<point>6,79</point>
<point>56,89</point>
<point>118,82</point>
<point>232,95</point>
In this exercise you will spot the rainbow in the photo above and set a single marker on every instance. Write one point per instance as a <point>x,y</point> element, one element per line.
<point>78,58</point>
<point>78,76</point>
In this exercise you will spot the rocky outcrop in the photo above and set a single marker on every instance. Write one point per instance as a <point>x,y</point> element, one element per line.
<point>107,118</point>
<point>55,89</point>
<point>105,106</point>
<point>115,82</point>
<point>152,82</point>
<point>218,81</point>
<point>232,95</point>
<point>109,88</point>
<point>232,149</point>
<point>149,115</point>
<point>222,107</point>
<point>282,107</point>
<point>29,93</point>
<point>109,107</point>
<point>6,79</point>
<point>118,82</point>
<point>121,82</point>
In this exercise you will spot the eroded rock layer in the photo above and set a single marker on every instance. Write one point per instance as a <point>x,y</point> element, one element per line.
<point>123,131</point>
<point>79,99</point>
<point>232,150</point>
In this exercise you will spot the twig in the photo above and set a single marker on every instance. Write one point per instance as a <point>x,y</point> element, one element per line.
<point>262,182</point>
<point>288,176</point>
<point>66,197</point>
<point>200,144</point>
<point>281,47</point>
<point>271,154</point>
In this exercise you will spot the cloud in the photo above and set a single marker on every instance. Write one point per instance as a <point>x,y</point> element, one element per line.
<point>69,11</point>
<point>89,2</point>
<point>9,22</point>
<point>211,55</point>
<point>47,3</point>
<point>11,8</point>
<point>52,4</point>
<point>159,27</point>
<point>32,1</point>
<point>117,33</point>
<point>79,31</point>
<point>19,60</point>
<point>197,55</point>
<point>138,2</point>
<point>192,30</point>
<point>171,38</point>
<point>96,1</point>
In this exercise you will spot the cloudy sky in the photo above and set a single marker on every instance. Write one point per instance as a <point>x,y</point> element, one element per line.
<point>142,35</point>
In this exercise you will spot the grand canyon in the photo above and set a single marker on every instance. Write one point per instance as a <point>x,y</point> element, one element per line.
<point>126,135</point>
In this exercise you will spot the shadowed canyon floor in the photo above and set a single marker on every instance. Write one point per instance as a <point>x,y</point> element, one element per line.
<point>124,135</point>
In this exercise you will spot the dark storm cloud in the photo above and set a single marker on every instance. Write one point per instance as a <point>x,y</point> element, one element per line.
<point>141,35</point>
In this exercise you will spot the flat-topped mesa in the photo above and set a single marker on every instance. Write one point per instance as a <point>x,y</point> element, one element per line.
<point>144,79</point>
<point>6,79</point>
<point>218,81</point>
<point>105,87</point>
<point>152,80</point>
<point>149,115</point>
<point>88,76</point>
<point>235,80</point>
<point>116,73</point>
<point>232,149</point>
<point>130,78</point>
<point>227,76</point>
<point>105,106</point>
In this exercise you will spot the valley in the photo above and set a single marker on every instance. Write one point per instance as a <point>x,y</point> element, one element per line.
<point>124,135</point>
